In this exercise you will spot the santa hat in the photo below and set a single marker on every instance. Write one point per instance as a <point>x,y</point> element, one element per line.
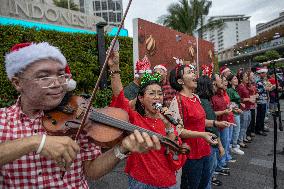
<point>71,85</point>
<point>224,69</point>
<point>24,54</point>
<point>161,66</point>
<point>261,70</point>
<point>142,67</point>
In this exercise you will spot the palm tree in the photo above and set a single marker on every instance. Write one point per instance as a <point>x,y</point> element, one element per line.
<point>65,4</point>
<point>200,10</point>
<point>179,17</point>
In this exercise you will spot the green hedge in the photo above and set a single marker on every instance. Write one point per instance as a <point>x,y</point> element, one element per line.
<point>80,51</point>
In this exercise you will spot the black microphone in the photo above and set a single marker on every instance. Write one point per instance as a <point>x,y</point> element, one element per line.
<point>158,106</point>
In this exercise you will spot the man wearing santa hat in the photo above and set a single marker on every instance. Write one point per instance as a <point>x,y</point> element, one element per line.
<point>169,92</point>
<point>262,91</point>
<point>31,159</point>
<point>141,67</point>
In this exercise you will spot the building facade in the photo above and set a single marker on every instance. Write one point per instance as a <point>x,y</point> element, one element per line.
<point>110,10</point>
<point>236,28</point>
<point>262,27</point>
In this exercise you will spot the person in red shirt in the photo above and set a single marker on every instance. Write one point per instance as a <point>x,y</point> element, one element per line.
<point>196,171</point>
<point>168,91</point>
<point>30,158</point>
<point>246,100</point>
<point>153,169</point>
<point>222,111</point>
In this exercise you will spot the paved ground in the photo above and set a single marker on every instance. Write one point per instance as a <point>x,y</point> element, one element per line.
<point>251,171</point>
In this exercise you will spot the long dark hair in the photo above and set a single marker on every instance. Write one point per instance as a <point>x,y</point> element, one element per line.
<point>229,79</point>
<point>139,106</point>
<point>204,87</point>
<point>175,75</point>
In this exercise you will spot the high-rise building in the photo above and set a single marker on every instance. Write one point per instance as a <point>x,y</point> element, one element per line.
<point>110,10</point>
<point>236,28</point>
<point>262,27</point>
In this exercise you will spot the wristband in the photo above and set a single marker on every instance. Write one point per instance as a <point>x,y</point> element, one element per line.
<point>169,130</point>
<point>119,154</point>
<point>112,73</point>
<point>214,123</point>
<point>41,144</point>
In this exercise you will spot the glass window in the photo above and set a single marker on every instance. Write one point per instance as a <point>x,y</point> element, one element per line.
<point>111,17</point>
<point>104,5</point>
<point>118,15</point>
<point>97,6</point>
<point>99,14</point>
<point>118,7</point>
<point>105,16</point>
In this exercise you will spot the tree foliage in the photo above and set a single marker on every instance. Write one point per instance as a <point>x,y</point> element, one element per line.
<point>80,51</point>
<point>64,4</point>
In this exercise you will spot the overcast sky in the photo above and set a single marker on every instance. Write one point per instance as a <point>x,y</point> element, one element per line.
<point>258,10</point>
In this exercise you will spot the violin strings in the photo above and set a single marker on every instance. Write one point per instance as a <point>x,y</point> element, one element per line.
<point>122,124</point>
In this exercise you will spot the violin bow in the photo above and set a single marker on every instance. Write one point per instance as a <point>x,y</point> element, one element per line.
<point>101,73</point>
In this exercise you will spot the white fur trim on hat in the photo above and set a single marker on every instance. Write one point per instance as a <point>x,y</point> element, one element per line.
<point>161,67</point>
<point>140,72</point>
<point>225,70</point>
<point>262,70</point>
<point>16,61</point>
<point>71,85</point>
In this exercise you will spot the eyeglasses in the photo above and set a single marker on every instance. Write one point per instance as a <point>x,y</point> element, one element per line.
<point>48,82</point>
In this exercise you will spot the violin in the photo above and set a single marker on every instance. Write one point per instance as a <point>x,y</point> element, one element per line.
<point>105,127</point>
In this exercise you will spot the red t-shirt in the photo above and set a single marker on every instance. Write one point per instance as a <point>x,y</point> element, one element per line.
<point>231,118</point>
<point>219,104</point>
<point>153,168</point>
<point>244,93</point>
<point>194,120</point>
<point>252,92</point>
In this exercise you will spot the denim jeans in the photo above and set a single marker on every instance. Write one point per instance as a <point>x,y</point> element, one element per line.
<point>213,158</point>
<point>224,136</point>
<point>196,173</point>
<point>236,131</point>
<point>230,135</point>
<point>135,184</point>
<point>251,128</point>
<point>245,121</point>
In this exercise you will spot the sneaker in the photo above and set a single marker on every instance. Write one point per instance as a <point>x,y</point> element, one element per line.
<point>216,182</point>
<point>225,167</point>
<point>233,160</point>
<point>237,151</point>
<point>222,172</point>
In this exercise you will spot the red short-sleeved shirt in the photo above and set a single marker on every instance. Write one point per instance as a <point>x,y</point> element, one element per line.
<point>231,118</point>
<point>244,93</point>
<point>219,104</point>
<point>153,168</point>
<point>194,119</point>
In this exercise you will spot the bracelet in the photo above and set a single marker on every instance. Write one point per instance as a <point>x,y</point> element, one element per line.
<point>169,130</point>
<point>119,154</point>
<point>112,73</point>
<point>214,123</point>
<point>41,144</point>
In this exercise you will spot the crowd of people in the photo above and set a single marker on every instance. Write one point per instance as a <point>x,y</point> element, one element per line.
<point>217,115</point>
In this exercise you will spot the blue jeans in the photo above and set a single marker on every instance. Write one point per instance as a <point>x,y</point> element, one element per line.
<point>245,121</point>
<point>224,136</point>
<point>228,155</point>
<point>213,157</point>
<point>236,131</point>
<point>135,184</point>
<point>196,173</point>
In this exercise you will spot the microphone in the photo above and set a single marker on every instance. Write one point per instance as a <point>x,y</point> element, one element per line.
<point>271,61</point>
<point>158,106</point>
